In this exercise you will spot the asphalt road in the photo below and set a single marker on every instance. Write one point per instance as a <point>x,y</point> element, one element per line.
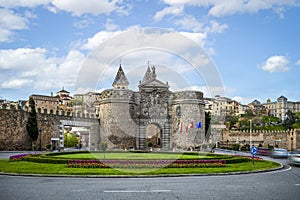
<point>282,184</point>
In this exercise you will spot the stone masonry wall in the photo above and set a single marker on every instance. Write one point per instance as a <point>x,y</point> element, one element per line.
<point>283,139</point>
<point>187,110</point>
<point>118,126</point>
<point>13,134</point>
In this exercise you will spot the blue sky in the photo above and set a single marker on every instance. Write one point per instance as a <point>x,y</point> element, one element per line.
<point>254,44</point>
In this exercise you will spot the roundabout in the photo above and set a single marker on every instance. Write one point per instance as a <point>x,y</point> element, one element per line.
<point>132,164</point>
<point>278,184</point>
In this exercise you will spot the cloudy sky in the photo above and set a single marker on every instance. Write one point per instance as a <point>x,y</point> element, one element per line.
<point>49,44</point>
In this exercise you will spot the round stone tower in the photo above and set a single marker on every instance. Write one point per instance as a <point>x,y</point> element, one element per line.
<point>188,114</point>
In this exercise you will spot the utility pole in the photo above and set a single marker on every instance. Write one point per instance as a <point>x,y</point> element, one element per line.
<point>250,133</point>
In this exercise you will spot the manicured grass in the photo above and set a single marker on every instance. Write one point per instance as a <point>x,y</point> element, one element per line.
<point>131,156</point>
<point>24,167</point>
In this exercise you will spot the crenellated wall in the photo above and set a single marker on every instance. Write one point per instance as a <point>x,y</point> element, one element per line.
<point>13,134</point>
<point>283,139</point>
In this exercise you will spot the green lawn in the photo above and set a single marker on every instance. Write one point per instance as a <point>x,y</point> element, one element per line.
<point>23,167</point>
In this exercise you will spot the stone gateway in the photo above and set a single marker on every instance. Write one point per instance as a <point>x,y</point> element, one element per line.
<point>154,116</point>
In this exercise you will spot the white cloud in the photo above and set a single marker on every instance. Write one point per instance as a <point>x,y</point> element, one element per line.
<point>94,7</point>
<point>172,10</point>
<point>298,62</point>
<point>189,23</point>
<point>135,46</point>
<point>9,22</point>
<point>218,8</point>
<point>22,3</point>
<point>76,7</point>
<point>216,27</point>
<point>33,68</point>
<point>110,26</point>
<point>22,58</point>
<point>83,22</point>
<point>98,39</point>
<point>276,64</point>
<point>16,83</point>
<point>243,100</point>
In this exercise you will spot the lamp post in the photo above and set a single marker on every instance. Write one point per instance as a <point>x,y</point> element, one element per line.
<point>250,133</point>
<point>40,130</point>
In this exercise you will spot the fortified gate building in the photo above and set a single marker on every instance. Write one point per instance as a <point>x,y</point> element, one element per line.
<point>153,116</point>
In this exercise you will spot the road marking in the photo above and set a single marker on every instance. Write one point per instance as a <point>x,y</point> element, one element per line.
<point>135,191</point>
<point>298,184</point>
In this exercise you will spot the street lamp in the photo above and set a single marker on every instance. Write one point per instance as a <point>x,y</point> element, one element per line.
<point>250,133</point>
<point>40,139</point>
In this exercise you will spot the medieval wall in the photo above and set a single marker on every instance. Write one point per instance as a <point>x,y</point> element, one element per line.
<point>283,139</point>
<point>13,134</point>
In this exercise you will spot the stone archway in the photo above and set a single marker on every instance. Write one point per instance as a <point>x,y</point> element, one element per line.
<point>92,125</point>
<point>153,135</point>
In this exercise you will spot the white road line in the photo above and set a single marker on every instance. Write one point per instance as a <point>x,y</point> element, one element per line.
<point>135,191</point>
<point>298,184</point>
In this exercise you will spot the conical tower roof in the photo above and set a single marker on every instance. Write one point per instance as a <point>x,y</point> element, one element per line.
<point>120,81</point>
<point>148,75</point>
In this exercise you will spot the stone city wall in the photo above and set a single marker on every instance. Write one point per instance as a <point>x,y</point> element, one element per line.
<point>13,134</point>
<point>283,139</point>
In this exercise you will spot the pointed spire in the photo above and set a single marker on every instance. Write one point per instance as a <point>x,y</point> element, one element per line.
<point>120,81</point>
<point>153,72</point>
<point>149,75</point>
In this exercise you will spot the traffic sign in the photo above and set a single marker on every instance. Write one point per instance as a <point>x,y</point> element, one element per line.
<point>253,150</point>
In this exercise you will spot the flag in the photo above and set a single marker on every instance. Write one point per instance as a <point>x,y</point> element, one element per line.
<point>180,127</point>
<point>192,124</point>
<point>199,125</point>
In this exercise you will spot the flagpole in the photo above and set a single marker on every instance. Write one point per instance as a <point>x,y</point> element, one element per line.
<point>250,133</point>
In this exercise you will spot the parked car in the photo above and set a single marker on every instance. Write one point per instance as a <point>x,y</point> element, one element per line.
<point>279,153</point>
<point>294,158</point>
<point>263,151</point>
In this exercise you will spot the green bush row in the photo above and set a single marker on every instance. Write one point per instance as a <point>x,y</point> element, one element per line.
<point>65,152</point>
<point>52,160</point>
<point>45,160</point>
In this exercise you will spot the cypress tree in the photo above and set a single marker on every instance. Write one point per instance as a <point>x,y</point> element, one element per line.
<point>31,126</point>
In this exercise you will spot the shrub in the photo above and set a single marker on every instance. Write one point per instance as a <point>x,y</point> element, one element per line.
<point>48,146</point>
<point>235,147</point>
<point>246,147</point>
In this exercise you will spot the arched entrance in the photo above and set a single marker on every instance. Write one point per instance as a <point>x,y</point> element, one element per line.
<point>153,136</point>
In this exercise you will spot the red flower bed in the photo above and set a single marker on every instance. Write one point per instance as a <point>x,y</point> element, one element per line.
<point>146,163</point>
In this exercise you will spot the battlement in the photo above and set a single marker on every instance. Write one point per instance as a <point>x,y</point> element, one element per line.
<point>61,113</point>
<point>188,95</point>
<point>258,131</point>
<point>117,94</point>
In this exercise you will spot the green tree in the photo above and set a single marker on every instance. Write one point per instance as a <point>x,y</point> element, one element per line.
<point>290,120</point>
<point>231,120</point>
<point>70,140</point>
<point>269,119</point>
<point>248,113</point>
<point>103,146</point>
<point>31,125</point>
<point>207,122</point>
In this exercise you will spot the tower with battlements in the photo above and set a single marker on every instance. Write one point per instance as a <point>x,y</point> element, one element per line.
<point>152,117</point>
